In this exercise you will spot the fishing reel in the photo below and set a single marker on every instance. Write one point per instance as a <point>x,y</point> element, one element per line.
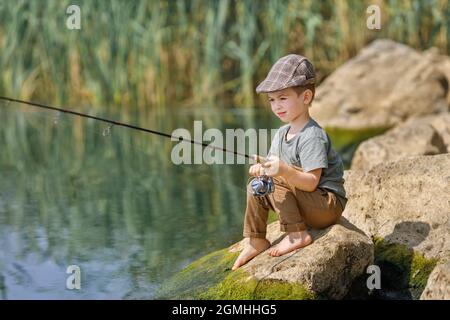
<point>262,186</point>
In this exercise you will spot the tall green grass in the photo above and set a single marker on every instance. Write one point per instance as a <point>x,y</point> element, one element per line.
<point>155,54</point>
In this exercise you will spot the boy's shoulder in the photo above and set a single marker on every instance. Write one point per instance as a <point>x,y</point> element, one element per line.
<point>313,130</point>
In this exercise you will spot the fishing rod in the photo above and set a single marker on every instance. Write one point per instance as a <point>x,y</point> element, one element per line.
<point>113,122</point>
<point>261,185</point>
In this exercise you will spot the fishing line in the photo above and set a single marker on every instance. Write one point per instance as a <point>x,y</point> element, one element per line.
<point>113,122</point>
<point>260,185</point>
<point>58,119</point>
<point>107,132</point>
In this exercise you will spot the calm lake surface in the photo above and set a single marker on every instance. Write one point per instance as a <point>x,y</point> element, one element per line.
<point>113,203</point>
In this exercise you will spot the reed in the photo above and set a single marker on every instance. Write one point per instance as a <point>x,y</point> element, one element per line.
<point>159,54</point>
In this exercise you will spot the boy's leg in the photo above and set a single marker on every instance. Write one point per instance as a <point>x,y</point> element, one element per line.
<point>296,209</point>
<point>284,202</point>
<point>320,208</point>
<point>255,225</point>
<point>256,215</point>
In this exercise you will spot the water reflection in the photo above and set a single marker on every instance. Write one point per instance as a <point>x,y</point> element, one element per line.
<point>113,204</point>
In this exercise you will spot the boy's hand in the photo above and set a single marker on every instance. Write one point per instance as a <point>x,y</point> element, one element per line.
<point>275,167</point>
<point>256,170</point>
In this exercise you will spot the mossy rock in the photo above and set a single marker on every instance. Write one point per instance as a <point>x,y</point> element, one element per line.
<point>404,273</point>
<point>402,269</point>
<point>240,286</point>
<point>210,277</point>
<point>198,276</point>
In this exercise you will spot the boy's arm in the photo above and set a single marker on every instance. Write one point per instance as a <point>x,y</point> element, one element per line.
<point>313,157</point>
<point>306,181</point>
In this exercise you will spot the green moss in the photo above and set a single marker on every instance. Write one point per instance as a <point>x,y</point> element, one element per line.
<point>420,270</point>
<point>412,268</point>
<point>239,286</point>
<point>273,216</point>
<point>199,276</point>
<point>346,141</point>
<point>210,277</point>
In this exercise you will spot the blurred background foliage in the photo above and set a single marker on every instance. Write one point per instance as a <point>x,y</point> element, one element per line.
<point>156,54</point>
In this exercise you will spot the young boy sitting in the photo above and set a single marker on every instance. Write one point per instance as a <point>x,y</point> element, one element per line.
<point>307,172</point>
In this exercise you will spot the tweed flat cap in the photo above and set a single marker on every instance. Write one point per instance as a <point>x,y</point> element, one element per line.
<point>289,71</point>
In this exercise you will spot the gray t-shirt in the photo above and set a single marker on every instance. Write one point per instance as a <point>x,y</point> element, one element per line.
<point>311,149</point>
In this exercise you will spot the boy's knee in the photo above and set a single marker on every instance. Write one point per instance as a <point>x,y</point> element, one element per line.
<point>323,220</point>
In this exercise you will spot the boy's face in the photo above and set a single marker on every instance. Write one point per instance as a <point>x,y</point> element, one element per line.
<point>287,105</point>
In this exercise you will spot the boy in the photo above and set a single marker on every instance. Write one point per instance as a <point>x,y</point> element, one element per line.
<point>307,172</point>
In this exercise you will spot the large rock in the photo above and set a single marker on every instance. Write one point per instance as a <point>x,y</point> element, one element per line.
<point>385,84</point>
<point>327,267</point>
<point>324,269</point>
<point>440,123</point>
<point>438,286</point>
<point>442,62</point>
<point>418,136</point>
<point>405,202</point>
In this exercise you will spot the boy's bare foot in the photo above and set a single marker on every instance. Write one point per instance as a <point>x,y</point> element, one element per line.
<point>254,247</point>
<point>293,241</point>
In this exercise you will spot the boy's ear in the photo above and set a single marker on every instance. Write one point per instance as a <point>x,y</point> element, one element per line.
<point>307,96</point>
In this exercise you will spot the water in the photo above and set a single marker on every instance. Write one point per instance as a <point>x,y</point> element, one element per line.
<point>110,202</point>
<point>113,204</point>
